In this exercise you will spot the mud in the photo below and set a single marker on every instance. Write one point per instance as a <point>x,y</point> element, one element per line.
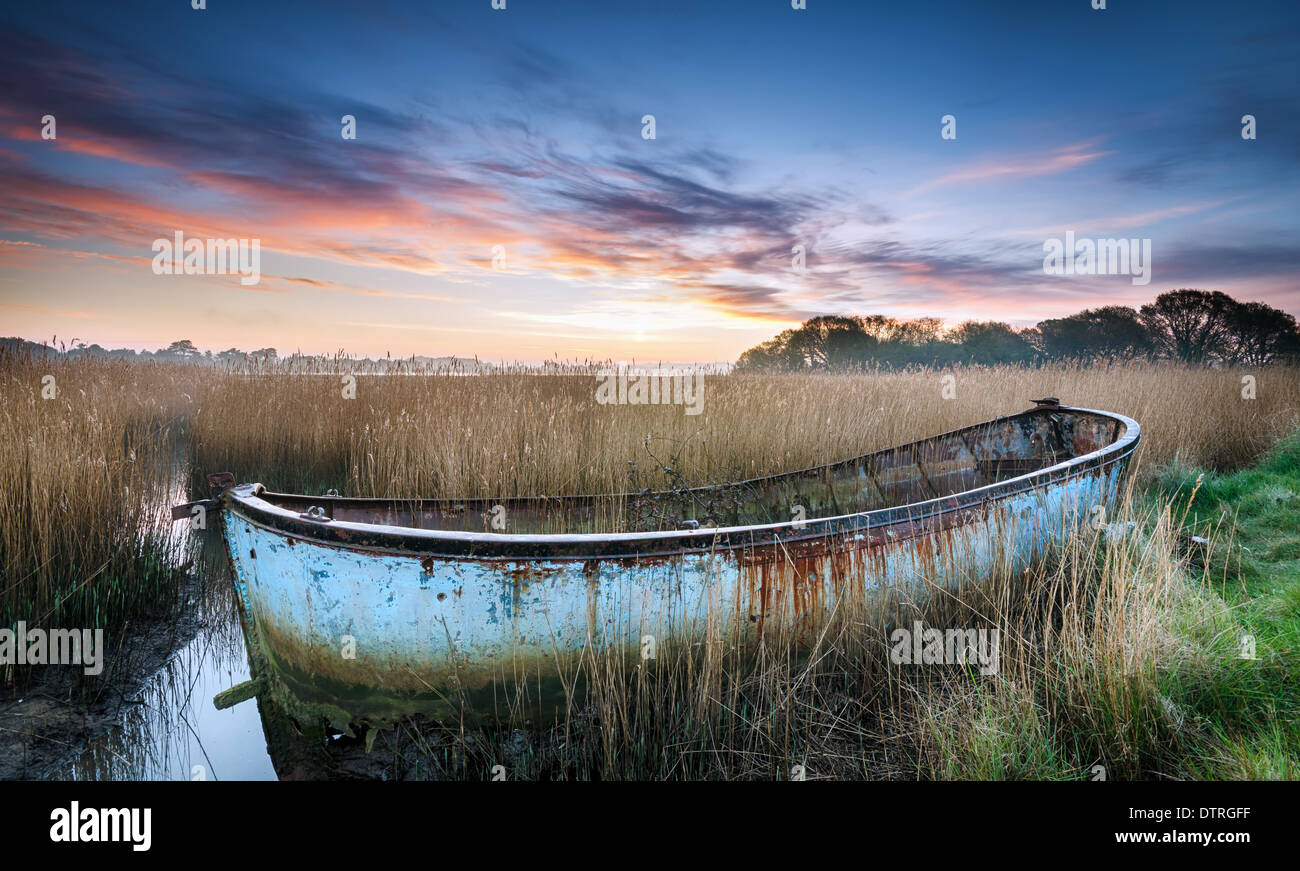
<point>47,724</point>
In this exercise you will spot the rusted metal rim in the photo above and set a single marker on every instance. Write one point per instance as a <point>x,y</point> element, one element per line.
<point>246,501</point>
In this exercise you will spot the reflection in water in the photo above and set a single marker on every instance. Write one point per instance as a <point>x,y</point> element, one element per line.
<point>174,732</point>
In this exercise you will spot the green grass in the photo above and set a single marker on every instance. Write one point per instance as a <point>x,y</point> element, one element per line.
<point>1147,676</point>
<point>1251,707</point>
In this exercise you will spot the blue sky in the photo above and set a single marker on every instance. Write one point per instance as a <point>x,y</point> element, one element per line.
<point>521,128</point>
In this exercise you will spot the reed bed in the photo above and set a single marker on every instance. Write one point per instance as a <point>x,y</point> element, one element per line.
<point>88,451</point>
<point>520,433</point>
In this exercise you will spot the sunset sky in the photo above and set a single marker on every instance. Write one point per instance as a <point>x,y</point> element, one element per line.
<point>523,128</point>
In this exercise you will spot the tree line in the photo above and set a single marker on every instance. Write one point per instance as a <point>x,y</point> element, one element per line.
<point>1191,326</point>
<point>185,351</point>
<point>180,351</point>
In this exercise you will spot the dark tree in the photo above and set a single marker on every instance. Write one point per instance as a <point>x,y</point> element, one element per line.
<point>1262,334</point>
<point>831,342</point>
<point>774,355</point>
<point>182,348</point>
<point>1110,331</point>
<point>1194,326</point>
<point>903,343</point>
<point>990,342</point>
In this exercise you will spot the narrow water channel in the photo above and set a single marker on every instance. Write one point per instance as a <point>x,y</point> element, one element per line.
<point>174,732</point>
<point>169,729</point>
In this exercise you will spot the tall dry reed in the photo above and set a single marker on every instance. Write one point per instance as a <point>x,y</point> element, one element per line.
<point>87,452</point>
<point>503,435</point>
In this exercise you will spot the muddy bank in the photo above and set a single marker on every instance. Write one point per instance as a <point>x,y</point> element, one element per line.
<point>49,723</point>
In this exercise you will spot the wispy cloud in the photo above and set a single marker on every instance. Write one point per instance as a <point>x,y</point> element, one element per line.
<point>1020,166</point>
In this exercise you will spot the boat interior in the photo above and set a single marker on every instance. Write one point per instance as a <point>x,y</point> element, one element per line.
<point>939,466</point>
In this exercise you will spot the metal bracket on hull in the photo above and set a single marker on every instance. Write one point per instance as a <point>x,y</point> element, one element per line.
<point>185,510</point>
<point>221,481</point>
<point>238,693</point>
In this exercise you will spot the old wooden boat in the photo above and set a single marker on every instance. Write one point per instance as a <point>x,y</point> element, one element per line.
<point>363,610</point>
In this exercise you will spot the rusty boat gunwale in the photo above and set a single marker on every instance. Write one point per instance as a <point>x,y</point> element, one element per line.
<point>257,506</point>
